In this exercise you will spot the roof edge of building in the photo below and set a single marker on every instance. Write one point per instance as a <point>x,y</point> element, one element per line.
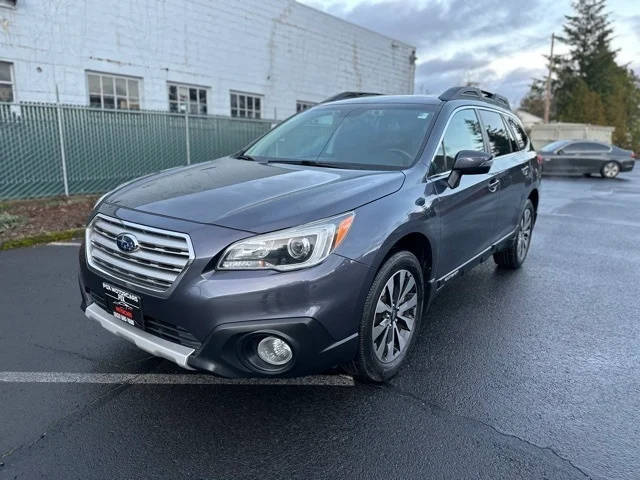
<point>353,24</point>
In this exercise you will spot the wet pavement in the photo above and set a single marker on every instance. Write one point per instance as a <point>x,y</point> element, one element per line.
<point>525,374</point>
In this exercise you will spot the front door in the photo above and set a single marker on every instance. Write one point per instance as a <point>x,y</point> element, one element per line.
<point>467,213</point>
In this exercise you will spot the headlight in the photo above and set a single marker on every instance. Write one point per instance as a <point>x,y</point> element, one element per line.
<point>289,249</point>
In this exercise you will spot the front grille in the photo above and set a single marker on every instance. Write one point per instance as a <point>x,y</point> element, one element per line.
<point>161,258</point>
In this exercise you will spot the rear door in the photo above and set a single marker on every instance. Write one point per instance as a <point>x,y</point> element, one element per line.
<point>467,213</point>
<point>506,165</point>
<point>594,156</point>
<point>520,166</point>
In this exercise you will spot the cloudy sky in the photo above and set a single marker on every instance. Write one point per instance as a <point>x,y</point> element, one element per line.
<point>498,43</point>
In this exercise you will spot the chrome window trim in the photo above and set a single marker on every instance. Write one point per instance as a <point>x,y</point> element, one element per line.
<point>467,107</point>
<point>125,283</point>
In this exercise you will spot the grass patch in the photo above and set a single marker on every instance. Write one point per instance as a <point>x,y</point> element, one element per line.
<point>9,220</point>
<point>42,238</point>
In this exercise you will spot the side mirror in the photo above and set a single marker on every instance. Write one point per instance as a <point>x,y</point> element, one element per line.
<point>561,152</point>
<point>469,162</point>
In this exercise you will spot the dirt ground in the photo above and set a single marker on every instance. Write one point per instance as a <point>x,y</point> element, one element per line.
<point>25,218</point>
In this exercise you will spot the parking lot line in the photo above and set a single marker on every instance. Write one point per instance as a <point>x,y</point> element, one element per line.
<point>64,244</point>
<point>170,379</point>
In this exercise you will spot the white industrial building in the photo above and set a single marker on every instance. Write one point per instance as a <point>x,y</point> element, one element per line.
<point>246,58</point>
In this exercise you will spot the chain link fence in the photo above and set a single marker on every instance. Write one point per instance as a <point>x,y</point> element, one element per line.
<point>49,149</point>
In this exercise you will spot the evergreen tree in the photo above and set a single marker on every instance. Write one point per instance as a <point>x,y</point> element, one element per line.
<point>533,102</point>
<point>589,86</point>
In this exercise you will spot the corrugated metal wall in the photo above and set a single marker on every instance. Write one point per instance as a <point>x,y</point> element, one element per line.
<point>102,148</point>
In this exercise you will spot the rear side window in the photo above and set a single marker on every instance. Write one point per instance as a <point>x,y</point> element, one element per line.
<point>499,140</point>
<point>586,147</point>
<point>521,136</point>
<point>512,138</point>
<point>577,147</point>
<point>463,133</point>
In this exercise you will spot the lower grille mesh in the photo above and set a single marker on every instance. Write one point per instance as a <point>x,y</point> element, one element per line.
<point>165,330</point>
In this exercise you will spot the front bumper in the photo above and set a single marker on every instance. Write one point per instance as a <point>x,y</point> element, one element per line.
<point>316,310</point>
<point>178,354</point>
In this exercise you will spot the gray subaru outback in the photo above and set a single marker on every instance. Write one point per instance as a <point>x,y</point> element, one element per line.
<point>322,243</point>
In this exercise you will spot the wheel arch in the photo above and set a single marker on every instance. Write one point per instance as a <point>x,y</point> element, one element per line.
<point>534,196</point>
<point>415,242</point>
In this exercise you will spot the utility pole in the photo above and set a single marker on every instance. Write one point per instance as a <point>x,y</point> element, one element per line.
<point>547,95</point>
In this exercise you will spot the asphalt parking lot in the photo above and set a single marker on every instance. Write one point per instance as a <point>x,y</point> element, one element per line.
<point>526,374</point>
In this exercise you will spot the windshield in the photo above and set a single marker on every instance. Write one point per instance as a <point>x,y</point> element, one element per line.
<point>554,146</point>
<point>349,136</point>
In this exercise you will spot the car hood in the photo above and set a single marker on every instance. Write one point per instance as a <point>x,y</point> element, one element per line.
<point>254,197</point>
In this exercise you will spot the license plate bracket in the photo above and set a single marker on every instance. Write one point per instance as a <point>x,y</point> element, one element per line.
<point>124,305</point>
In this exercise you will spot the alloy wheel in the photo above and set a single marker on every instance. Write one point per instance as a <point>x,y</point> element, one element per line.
<point>395,315</point>
<point>524,234</point>
<point>611,170</point>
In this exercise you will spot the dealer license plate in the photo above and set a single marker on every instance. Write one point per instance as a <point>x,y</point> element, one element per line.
<point>124,305</point>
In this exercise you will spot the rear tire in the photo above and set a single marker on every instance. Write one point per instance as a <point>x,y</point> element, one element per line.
<point>390,319</point>
<point>515,253</point>
<point>610,170</point>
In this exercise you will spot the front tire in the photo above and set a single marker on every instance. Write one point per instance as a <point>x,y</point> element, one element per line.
<point>514,255</point>
<point>390,319</point>
<point>610,170</point>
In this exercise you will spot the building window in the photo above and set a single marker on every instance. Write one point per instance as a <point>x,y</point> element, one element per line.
<point>183,98</point>
<point>246,105</point>
<point>6,82</point>
<point>111,92</point>
<point>302,105</point>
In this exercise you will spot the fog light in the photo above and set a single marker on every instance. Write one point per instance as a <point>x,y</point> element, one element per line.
<point>274,351</point>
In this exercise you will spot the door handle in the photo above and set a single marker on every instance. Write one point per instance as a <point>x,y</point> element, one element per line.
<point>493,185</point>
<point>525,170</point>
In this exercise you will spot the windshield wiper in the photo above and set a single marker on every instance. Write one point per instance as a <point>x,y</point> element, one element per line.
<point>244,156</point>
<point>312,163</point>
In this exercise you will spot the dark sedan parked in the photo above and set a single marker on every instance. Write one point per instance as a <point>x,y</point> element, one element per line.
<point>586,157</point>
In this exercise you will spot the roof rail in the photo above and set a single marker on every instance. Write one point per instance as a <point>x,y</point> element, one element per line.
<point>473,93</point>
<point>345,95</point>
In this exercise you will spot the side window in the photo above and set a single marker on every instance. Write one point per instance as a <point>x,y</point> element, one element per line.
<point>463,133</point>
<point>499,140</point>
<point>512,138</point>
<point>577,147</point>
<point>597,147</point>
<point>521,136</point>
<point>438,165</point>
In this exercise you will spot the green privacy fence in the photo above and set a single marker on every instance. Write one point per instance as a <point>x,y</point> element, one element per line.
<point>49,149</point>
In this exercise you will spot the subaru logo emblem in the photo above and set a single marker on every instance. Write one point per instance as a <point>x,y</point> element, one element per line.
<point>127,242</point>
